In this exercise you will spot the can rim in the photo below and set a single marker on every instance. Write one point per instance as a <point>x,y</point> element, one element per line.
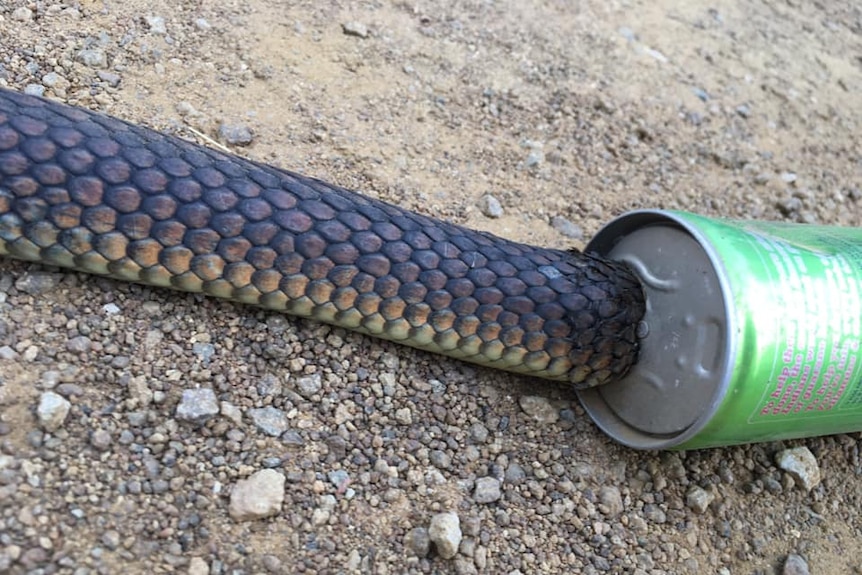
<point>594,400</point>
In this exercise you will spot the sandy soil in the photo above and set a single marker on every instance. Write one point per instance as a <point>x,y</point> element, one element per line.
<point>581,110</point>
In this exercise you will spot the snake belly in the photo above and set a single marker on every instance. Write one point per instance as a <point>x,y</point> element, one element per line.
<point>89,192</point>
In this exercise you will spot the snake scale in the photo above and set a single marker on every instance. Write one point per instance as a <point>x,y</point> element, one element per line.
<point>89,192</point>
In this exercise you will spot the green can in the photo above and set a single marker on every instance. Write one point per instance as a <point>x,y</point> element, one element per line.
<point>752,332</point>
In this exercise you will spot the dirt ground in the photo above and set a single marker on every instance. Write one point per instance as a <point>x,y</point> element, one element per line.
<point>579,110</point>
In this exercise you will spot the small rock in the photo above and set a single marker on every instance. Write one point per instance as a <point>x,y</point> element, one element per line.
<point>259,496</point>
<point>111,539</point>
<point>197,406</point>
<point>92,57</point>
<point>198,566</point>
<point>487,490</point>
<point>801,465</point>
<point>417,541</point>
<point>113,80</point>
<point>52,410</point>
<point>320,515</point>
<point>699,499</point>
<point>567,228</point>
<point>22,14</point>
<point>231,412</point>
<point>490,206</point>
<point>184,109</point>
<point>404,416</point>
<point>37,283</point>
<point>440,459</point>
<point>157,25</point>
<point>7,352</point>
<point>235,134</point>
<point>654,513</point>
<point>339,478</point>
<point>357,29</point>
<point>308,385</point>
<point>55,80</point>
<point>795,565</point>
<point>515,474</point>
<point>611,501</point>
<point>539,408</point>
<point>34,90</point>
<point>743,110</point>
<point>445,533</point>
<point>79,344</point>
<point>100,439</point>
<point>269,420</point>
<point>788,177</point>
<point>701,94</point>
<point>478,433</point>
<point>202,24</point>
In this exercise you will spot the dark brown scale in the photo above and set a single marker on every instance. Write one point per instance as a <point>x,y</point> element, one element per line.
<point>94,193</point>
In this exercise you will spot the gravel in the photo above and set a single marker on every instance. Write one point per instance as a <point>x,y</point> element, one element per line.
<point>551,115</point>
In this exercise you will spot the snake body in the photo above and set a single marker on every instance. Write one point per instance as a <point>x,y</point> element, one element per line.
<point>92,193</point>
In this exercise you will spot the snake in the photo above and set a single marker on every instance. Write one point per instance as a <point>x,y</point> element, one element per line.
<point>85,191</point>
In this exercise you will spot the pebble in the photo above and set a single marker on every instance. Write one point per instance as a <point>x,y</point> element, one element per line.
<point>157,25</point>
<point>235,134</point>
<point>197,406</point>
<point>112,79</point>
<point>567,228</point>
<point>308,385</point>
<point>100,439</point>
<point>699,499</point>
<point>231,412</point>
<point>654,513</point>
<point>202,24</point>
<point>34,90</point>
<point>92,57</point>
<point>37,283</point>
<point>418,541</point>
<point>52,410</point>
<point>404,416</point>
<point>490,206</point>
<point>198,566</point>
<point>22,14</point>
<point>338,477</point>
<point>795,565</point>
<point>539,408</point>
<point>515,474</point>
<point>269,420</point>
<point>440,459</point>
<point>611,501</point>
<point>7,352</point>
<point>354,28</point>
<point>259,496</point>
<point>801,465</point>
<point>445,532</point>
<point>487,490</point>
<point>79,344</point>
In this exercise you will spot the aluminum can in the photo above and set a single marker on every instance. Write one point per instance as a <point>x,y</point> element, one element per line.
<point>752,332</point>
